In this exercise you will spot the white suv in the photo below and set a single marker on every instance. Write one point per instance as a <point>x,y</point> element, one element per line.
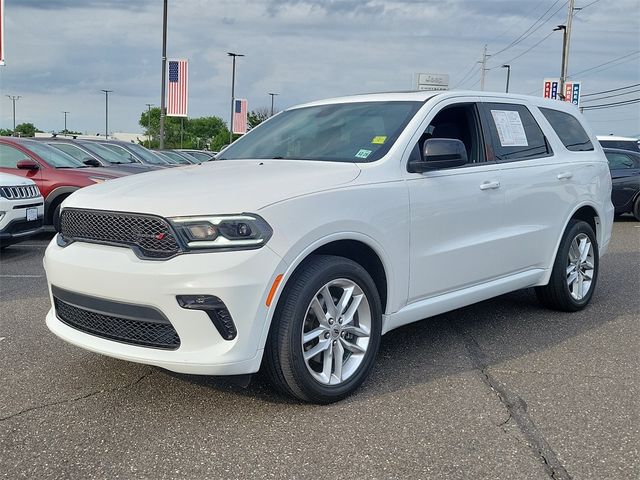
<point>21,209</point>
<point>329,225</point>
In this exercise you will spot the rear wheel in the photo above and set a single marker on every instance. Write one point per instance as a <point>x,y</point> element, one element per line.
<point>636,208</point>
<point>575,270</point>
<point>325,332</point>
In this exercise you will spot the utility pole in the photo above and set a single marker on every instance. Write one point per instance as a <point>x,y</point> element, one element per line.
<point>163,109</point>
<point>65,122</point>
<point>508,67</point>
<point>566,43</point>
<point>484,69</point>
<point>272,96</point>
<point>149,105</point>
<point>233,91</point>
<point>106,112</point>
<point>14,99</point>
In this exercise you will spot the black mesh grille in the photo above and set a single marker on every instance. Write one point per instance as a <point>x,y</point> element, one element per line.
<point>135,332</point>
<point>151,236</point>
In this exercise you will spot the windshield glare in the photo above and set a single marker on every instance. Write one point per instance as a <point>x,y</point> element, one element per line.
<point>106,154</point>
<point>344,132</point>
<point>54,157</point>
<point>147,155</point>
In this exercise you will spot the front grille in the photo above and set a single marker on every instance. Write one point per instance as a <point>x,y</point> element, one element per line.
<point>125,330</point>
<point>19,192</point>
<point>148,235</point>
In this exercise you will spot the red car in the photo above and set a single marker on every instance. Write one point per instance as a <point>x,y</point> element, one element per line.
<point>56,174</point>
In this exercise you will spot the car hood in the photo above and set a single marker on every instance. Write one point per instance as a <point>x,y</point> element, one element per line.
<point>228,186</point>
<point>8,180</point>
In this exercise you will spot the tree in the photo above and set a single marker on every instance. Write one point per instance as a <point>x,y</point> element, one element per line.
<point>26,130</point>
<point>257,116</point>
<point>5,132</point>
<point>197,132</point>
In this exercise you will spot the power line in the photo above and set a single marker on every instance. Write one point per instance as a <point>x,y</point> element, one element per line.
<point>586,6</point>
<point>526,51</point>
<point>606,63</point>
<point>534,27</point>
<point>611,105</point>
<point>467,75</point>
<point>609,91</point>
<point>611,96</point>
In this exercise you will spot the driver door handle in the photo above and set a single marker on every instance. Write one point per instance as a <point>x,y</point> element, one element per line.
<point>490,185</point>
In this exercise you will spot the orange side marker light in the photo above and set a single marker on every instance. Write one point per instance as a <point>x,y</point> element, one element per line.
<point>272,292</point>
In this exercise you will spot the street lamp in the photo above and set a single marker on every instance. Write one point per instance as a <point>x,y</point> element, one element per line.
<point>106,112</point>
<point>149,105</point>
<point>163,109</point>
<point>272,96</point>
<point>508,67</point>
<point>14,98</point>
<point>233,91</point>
<point>65,122</point>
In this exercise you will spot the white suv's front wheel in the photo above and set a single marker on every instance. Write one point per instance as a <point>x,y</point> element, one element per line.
<point>326,330</point>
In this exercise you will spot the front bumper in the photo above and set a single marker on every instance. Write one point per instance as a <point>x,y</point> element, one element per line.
<point>14,226</point>
<point>240,279</point>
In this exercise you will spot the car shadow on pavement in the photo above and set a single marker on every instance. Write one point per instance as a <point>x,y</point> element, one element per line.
<point>505,328</point>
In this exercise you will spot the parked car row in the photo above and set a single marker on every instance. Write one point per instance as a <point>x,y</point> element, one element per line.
<point>57,167</point>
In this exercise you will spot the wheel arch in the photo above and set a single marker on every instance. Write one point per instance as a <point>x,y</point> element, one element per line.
<point>55,198</point>
<point>357,247</point>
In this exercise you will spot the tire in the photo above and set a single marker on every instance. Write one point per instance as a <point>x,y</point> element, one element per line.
<point>353,336</point>
<point>636,208</point>
<point>575,270</point>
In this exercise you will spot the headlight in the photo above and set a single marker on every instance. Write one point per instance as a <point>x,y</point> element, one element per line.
<point>228,232</point>
<point>98,179</point>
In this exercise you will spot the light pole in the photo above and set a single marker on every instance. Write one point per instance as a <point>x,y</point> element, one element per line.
<point>508,67</point>
<point>65,122</point>
<point>106,112</point>
<point>149,105</point>
<point>272,97</point>
<point>14,99</point>
<point>163,109</point>
<point>233,91</point>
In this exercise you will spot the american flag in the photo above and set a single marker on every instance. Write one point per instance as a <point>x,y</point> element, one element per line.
<point>240,115</point>
<point>178,83</point>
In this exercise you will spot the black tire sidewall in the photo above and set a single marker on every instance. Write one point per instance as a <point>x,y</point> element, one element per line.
<point>636,208</point>
<point>333,268</point>
<point>575,229</point>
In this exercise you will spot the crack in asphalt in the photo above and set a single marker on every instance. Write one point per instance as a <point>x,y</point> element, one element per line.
<point>81,397</point>
<point>517,409</point>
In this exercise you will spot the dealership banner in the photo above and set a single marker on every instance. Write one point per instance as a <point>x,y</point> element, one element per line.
<point>551,89</point>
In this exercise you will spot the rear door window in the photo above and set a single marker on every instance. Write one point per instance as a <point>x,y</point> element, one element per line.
<point>514,132</point>
<point>568,129</point>
<point>619,161</point>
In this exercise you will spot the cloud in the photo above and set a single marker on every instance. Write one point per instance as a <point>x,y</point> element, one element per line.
<point>301,49</point>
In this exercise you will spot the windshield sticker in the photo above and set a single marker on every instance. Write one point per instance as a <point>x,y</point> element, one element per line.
<point>379,140</point>
<point>362,153</point>
<point>510,129</point>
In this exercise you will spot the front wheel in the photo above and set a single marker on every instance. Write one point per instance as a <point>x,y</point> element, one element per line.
<point>575,270</point>
<point>326,330</point>
<point>636,208</point>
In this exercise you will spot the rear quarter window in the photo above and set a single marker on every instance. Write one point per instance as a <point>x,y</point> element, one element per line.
<point>514,132</point>
<point>568,129</point>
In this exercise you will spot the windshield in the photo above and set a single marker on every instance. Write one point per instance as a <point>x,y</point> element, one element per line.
<point>106,154</point>
<point>176,157</point>
<point>54,157</point>
<point>200,156</point>
<point>147,155</point>
<point>343,132</point>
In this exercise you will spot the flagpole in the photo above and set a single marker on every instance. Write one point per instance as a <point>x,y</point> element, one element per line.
<point>233,88</point>
<point>163,109</point>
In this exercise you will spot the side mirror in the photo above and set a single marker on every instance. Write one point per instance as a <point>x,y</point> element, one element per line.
<point>27,165</point>
<point>92,162</point>
<point>440,153</point>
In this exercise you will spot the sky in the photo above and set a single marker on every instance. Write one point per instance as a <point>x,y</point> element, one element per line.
<point>60,54</point>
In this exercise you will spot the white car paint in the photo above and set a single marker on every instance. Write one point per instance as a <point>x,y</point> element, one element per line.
<point>13,207</point>
<point>443,241</point>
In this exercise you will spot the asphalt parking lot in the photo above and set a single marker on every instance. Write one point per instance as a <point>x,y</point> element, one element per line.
<point>501,389</point>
